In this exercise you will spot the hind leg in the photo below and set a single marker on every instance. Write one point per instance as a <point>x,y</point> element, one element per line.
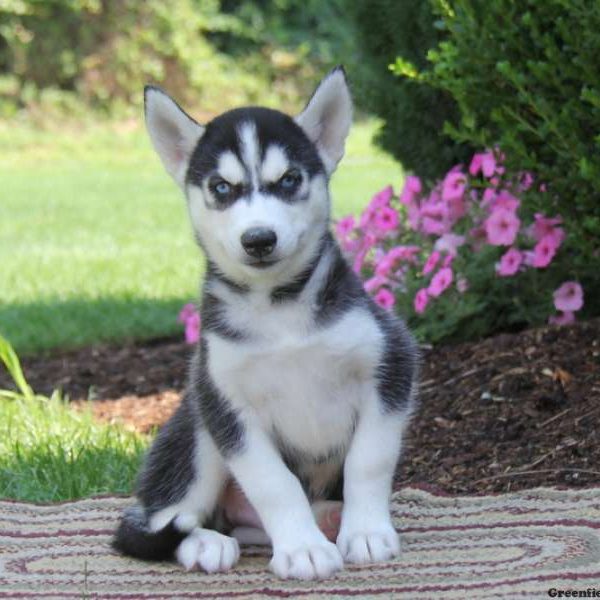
<point>178,489</point>
<point>248,529</point>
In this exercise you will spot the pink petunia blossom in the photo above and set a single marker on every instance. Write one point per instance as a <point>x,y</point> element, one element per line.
<point>568,297</point>
<point>449,243</point>
<point>412,187</point>
<point>509,263</point>
<point>382,198</point>
<point>462,285</point>
<point>543,226</point>
<point>374,283</point>
<point>345,226</point>
<point>440,282</point>
<point>431,262</point>
<point>544,251</point>
<point>453,186</point>
<point>385,298</point>
<point>421,300</point>
<point>187,311</point>
<point>507,201</point>
<point>386,219</point>
<point>502,227</point>
<point>484,162</point>
<point>489,195</point>
<point>527,180</point>
<point>406,253</point>
<point>190,317</point>
<point>448,259</point>
<point>384,265</point>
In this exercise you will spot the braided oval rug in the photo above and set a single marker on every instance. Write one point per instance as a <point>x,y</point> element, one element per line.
<point>514,545</point>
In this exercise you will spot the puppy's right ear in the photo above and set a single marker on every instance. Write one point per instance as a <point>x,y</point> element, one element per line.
<point>174,133</point>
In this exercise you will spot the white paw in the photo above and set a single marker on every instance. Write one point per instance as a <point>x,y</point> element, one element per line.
<point>375,545</point>
<point>209,550</point>
<point>314,560</point>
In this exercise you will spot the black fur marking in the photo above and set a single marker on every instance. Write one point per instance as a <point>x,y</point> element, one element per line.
<point>214,321</point>
<point>134,538</point>
<point>212,272</point>
<point>220,419</point>
<point>168,469</point>
<point>341,289</point>
<point>397,371</point>
<point>272,126</point>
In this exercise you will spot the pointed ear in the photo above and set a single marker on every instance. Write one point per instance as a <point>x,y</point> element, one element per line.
<point>327,117</point>
<point>174,134</point>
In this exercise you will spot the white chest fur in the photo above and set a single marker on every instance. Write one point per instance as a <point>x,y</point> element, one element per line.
<point>300,380</point>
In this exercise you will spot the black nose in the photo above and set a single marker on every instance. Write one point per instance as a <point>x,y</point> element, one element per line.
<point>259,241</point>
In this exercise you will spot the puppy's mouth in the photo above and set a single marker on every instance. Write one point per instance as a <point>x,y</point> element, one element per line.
<point>262,263</point>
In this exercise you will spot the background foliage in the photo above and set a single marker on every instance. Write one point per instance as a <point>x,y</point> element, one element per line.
<point>525,78</point>
<point>414,115</point>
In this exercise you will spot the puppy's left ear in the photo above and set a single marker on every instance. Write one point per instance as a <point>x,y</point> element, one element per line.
<point>173,132</point>
<point>327,117</point>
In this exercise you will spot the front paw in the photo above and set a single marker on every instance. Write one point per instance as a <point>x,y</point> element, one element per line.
<point>369,544</point>
<point>312,559</point>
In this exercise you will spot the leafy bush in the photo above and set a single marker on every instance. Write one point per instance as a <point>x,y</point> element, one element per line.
<point>414,115</point>
<point>525,77</point>
<point>106,51</point>
<point>461,260</point>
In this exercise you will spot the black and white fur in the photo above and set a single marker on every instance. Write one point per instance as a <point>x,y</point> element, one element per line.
<point>301,386</point>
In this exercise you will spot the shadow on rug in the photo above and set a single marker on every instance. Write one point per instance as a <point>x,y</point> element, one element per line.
<point>520,544</point>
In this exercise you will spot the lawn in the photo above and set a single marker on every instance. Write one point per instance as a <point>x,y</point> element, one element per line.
<point>94,239</point>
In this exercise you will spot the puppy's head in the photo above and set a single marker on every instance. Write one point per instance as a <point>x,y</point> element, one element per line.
<point>255,178</point>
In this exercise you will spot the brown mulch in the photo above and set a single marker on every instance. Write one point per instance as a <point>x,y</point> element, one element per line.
<point>511,412</point>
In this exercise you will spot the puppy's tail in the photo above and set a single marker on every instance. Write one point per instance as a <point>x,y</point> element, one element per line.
<point>133,537</point>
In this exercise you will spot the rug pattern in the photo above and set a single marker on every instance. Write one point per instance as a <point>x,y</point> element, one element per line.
<point>508,546</point>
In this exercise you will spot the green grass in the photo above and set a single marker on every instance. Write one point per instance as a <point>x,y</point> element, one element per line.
<point>51,452</point>
<point>94,239</point>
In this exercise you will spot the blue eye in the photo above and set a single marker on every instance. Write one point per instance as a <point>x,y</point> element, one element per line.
<point>290,180</point>
<point>222,188</point>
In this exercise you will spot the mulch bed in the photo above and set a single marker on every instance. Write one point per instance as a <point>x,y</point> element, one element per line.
<point>511,412</point>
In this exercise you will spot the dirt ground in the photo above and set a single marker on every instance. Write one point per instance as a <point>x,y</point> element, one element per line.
<point>511,412</point>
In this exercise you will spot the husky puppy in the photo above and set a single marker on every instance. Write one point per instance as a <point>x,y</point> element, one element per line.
<point>301,387</point>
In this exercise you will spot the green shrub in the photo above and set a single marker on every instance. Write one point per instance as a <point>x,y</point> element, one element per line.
<point>525,77</point>
<point>414,115</point>
<point>106,51</point>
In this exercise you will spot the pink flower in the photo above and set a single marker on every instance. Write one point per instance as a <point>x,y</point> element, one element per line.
<point>449,242</point>
<point>526,180</point>
<point>404,253</point>
<point>375,283</point>
<point>384,265</point>
<point>440,281</point>
<point>502,227</point>
<point>190,317</point>
<point>509,263</point>
<point>187,311</point>
<point>431,262</point>
<point>447,260</point>
<point>566,318</point>
<point>385,298</point>
<point>453,186</point>
<point>544,226</point>
<point>386,219</point>
<point>421,300</point>
<point>462,285</point>
<point>412,187</point>
<point>544,251</point>
<point>382,198</point>
<point>568,297</point>
<point>345,226</point>
<point>192,329</point>
<point>484,162</point>
<point>506,200</point>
